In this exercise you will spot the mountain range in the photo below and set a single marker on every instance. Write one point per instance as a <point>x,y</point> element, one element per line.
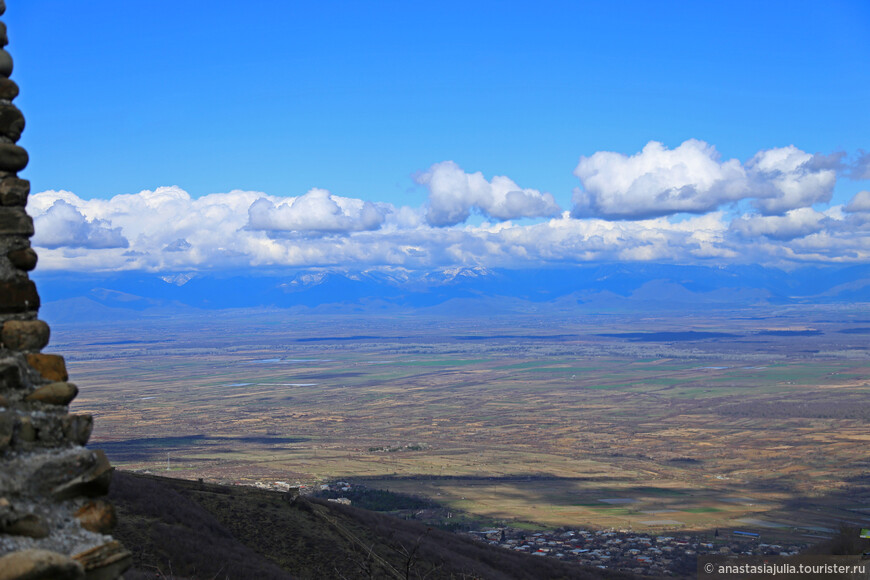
<point>72,297</point>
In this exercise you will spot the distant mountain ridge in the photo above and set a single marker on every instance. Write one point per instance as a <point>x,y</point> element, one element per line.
<point>71,296</point>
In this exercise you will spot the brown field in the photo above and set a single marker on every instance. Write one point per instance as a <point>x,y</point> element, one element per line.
<point>522,420</point>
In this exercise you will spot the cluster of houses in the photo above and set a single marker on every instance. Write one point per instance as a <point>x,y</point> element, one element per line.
<point>630,551</point>
<point>303,489</point>
<point>625,550</point>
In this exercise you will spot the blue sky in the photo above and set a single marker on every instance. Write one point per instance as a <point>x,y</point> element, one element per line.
<point>395,106</point>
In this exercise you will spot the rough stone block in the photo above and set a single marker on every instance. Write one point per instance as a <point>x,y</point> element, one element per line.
<point>39,565</point>
<point>28,525</point>
<point>97,516</point>
<point>55,474</point>
<point>23,258</point>
<point>10,375</point>
<point>12,157</point>
<point>50,366</point>
<point>14,220</point>
<point>13,190</point>
<point>77,428</point>
<point>7,428</point>
<point>94,476</point>
<point>5,63</point>
<point>26,430</point>
<point>8,89</point>
<point>25,335</point>
<point>18,296</point>
<point>11,122</point>
<point>105,562</point>
<point>47,431</point>
<point>58,393</point>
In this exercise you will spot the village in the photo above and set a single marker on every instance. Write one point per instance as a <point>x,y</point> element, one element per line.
<point>644,554</point>
<point>650,554</point>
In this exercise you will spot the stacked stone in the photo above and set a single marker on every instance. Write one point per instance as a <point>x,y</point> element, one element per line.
<point>51,525</point>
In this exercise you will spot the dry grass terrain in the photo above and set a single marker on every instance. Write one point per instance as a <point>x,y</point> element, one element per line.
<point>730,420</point>
<point>181,529</point>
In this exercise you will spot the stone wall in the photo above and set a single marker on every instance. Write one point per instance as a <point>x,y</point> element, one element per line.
<point>52,524</point>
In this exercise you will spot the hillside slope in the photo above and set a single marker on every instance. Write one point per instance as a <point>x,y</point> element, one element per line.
<point>183,529</point>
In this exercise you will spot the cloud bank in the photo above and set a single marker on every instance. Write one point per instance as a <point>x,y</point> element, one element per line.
<point>681,205</point>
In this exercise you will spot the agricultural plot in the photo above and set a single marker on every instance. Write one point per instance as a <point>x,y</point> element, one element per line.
<point>521,420</point>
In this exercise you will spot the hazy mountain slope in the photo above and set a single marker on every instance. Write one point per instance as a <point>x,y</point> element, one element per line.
<point>617,286</point>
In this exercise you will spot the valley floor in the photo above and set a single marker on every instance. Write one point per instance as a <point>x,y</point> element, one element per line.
<point>659,424</point>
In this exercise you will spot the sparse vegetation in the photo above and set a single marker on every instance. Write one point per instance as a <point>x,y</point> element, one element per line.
<point>378,500</point>
<point>503,427</point>
<point>187,530</point>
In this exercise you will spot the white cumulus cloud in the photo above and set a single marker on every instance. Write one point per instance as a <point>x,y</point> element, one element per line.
<point>624,212</point>
<point>860,168</point>
<point>656,182</point>
<point>859,203</point>
<point>62,225</point>
<point>453,193</point>
<point>794,224</point>
<point>691,178</point>
<point>787,178</point>
<point>316,212</point>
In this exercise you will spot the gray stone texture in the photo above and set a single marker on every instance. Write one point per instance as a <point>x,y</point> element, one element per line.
<point>24,429</point>
<point>11,122</point>
<point>15,221</point>
<point>13,191</point>
<point>10,375</point>
<point>77,429</point>
<point>50,527</point>
<point>27,426</point>
<point>18,296</point>
<point>5,63</point>
<point>8,89</point>
<point>29,525</point>
<point>12,157</point>
<point>24,259</point>
<point>7,429</point>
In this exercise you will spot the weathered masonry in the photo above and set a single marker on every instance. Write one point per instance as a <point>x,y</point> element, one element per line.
<point>52,522</point>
